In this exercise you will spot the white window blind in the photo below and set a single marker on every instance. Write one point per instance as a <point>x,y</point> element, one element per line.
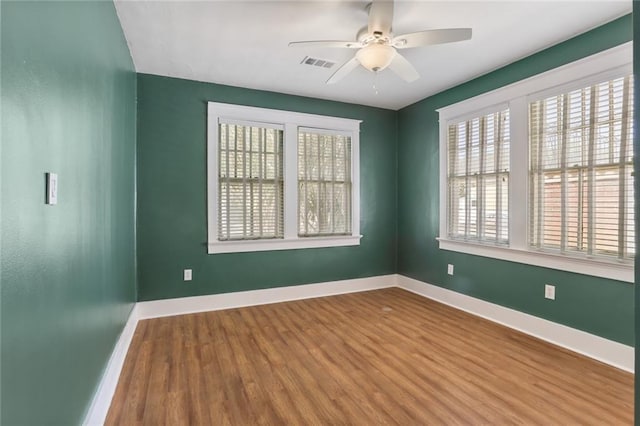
<point>581,163</point>
<point>478,178</point>
<point>250,195</point>
<point>324,183</point>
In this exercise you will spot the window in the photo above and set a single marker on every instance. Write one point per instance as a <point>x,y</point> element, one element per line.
<point>251,190</point>
<point>581,183</point>
<point>280,180</point>
<point>478,178</point>
<point>540,172</point>
<point>324,184</point>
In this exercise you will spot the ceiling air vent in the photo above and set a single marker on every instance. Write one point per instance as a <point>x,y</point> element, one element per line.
<point>322,63</point>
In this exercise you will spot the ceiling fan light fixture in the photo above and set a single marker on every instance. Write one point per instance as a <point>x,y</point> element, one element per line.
<point>376,57</point>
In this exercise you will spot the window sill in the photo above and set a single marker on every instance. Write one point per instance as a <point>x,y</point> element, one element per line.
<point>587,266</point>
<point>282,244</point>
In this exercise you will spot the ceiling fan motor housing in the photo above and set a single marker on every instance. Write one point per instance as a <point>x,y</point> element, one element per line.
<point>366,38</point>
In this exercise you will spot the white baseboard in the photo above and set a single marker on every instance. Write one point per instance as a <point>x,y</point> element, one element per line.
<point>215,302</point>
<point>596,347</point>
<point>99,407</point>
<point>607,351</point>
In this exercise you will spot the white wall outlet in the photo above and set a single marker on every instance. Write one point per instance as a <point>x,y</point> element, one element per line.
<point>550,291</point>
<point>52,188</point>
<point>450,269</point>
<point>188,275</point>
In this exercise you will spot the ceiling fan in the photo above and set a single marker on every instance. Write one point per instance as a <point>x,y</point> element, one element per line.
<point>378,46</point>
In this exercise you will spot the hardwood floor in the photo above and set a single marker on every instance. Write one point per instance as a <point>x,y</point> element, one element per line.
<point>379,357</point>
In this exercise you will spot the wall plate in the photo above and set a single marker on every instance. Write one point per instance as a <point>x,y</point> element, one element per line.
<point>52,188</point>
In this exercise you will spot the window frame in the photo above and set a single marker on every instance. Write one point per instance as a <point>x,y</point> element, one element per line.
<point>611,63</point>
<point>496,109</point>
<point>617,73</point>
<point>324,132</point>
<point>278,181</point>
<point>291,122</point>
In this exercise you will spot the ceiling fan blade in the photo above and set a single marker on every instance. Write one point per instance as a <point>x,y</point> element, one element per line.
<point>327,43</point>
<point>403,68</point>
<point>428,37</point>
<point>380,16</point>
<point>345,69</point>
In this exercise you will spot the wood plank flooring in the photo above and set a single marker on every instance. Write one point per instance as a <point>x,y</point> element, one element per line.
<point>379,357</point>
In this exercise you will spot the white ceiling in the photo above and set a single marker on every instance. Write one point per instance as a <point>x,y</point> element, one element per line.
<point>244,43</point>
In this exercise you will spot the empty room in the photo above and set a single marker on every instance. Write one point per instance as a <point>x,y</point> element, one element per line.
<point>318,212</point>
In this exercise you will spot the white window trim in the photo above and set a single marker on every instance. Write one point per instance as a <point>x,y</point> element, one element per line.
<point>290,122</point>
<point>615,62</point>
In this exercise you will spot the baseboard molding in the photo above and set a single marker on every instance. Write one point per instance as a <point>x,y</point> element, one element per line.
<point>215,302</point>
<point>101,402</point>
<point>599,348</point>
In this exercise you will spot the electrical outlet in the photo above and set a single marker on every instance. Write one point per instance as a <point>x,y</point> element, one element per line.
<point>450,269</point>
<point>187,275</point>
<point>550,291</point>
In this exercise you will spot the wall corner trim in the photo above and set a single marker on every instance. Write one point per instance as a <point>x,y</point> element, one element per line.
<point>97,413</point>
<point>613,353</point>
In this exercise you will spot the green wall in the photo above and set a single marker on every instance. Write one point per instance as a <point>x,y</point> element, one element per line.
<point>172,222</point>
<point>595,305</point>
<point>68,271</point>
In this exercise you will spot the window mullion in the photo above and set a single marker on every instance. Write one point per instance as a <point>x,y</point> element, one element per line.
<point>622,202</point>
<point>497,147</point>
<point>262,165</point>
<point>333,184</point>
<point>467,181</point>
<point>235,148</point>
<point>305,199</point>
<point>347,190</point>
<point>319,203</point>
<point>518,174</point>
<point>243,153</point>
<point>349,158</point>
<point>290,172</point>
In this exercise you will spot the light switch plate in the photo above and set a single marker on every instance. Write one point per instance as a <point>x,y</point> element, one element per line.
<point>52,188</point>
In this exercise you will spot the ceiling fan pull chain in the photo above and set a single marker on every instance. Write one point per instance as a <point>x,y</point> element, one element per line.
<point>375,82</point>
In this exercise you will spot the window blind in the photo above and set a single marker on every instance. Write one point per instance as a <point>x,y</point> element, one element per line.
<point>581,164</point>
<point>478,178</point>
<point>250,195</point>
<point>324,184</point>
